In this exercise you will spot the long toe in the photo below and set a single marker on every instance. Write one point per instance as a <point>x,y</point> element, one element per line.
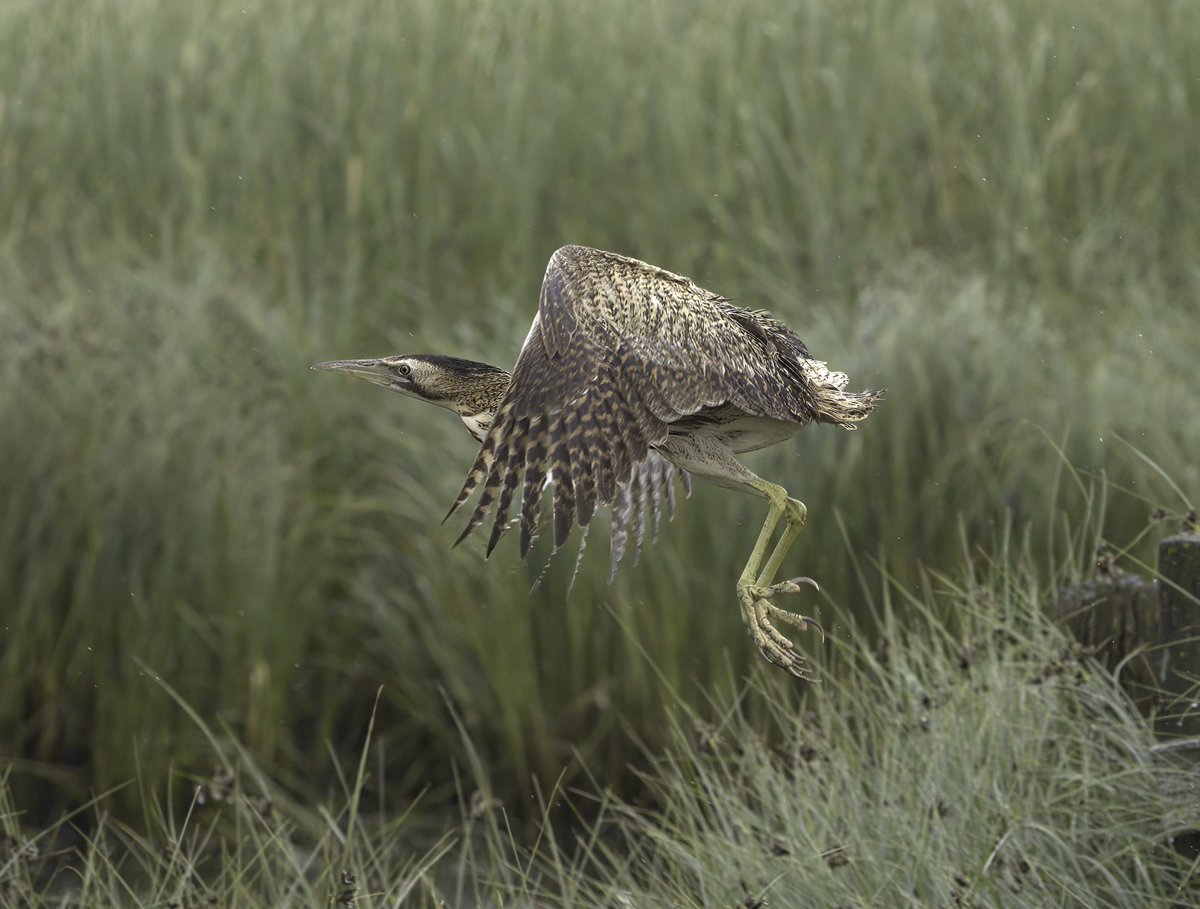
<point>788,659</point>
<point>774,646</point>
<point>801,622</point>
<point>795,585</point>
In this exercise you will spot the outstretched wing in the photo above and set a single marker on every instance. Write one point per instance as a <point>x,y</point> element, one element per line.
<point>617,352</point>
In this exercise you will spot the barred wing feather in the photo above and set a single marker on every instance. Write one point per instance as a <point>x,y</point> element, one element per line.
<point>618,351</point>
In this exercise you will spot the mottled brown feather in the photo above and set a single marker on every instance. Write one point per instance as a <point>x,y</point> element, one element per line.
<point>618,351</point>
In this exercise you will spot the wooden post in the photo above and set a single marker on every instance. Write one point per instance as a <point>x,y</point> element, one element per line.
<point>1179,631</point>
<point>1115,615</point>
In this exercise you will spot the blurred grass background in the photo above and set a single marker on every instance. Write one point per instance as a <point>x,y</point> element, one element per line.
<point>987,208</point>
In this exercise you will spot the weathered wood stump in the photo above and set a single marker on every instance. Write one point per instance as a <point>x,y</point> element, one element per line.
<point>1150,630</point>
<point>1179,632</point>
<point>1115,615</point>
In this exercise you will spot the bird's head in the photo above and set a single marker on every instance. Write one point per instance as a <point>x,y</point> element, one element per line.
<point>472,390</point>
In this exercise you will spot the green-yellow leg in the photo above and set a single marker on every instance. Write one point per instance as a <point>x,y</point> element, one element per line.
<point>769,571</point>
<point>755,587</point>
<point>790,532</point>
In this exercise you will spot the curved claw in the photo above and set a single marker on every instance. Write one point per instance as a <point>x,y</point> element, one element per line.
<point>809,581</point>
<point>820,630</point>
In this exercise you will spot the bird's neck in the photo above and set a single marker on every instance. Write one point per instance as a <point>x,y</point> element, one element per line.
<point>477,400</point>
<point>477,424</point>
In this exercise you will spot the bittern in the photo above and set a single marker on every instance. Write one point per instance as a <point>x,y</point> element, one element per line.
<point>628,373</point>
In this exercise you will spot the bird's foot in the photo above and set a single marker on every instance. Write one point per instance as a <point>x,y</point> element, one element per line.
<point>757,612</point>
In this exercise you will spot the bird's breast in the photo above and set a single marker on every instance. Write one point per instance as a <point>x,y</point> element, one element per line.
<point>738,432</point>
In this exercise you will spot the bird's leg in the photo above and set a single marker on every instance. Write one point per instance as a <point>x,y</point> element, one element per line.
<point>774,513</point>
<point>796,512</point>
<point>756,587</point>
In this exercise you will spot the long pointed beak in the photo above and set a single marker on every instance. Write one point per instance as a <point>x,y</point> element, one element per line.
<point>372,370</point>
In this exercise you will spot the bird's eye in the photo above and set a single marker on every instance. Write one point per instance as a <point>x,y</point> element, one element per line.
<point>404,369</point>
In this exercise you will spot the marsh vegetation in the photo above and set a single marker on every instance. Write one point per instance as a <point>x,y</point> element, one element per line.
<point>212,558</point>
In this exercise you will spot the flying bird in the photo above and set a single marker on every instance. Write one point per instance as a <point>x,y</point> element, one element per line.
<point>631,375</point>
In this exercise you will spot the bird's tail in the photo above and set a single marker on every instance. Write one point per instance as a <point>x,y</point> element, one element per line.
<point>832,403</point>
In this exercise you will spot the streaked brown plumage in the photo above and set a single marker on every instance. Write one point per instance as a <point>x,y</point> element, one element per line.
<point>624,363</point>
<point>475,390</point>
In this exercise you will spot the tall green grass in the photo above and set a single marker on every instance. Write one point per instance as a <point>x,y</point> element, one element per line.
<point>991,764</point>
<point>981,207</point>
<point>426,152</point>
<point>987,762</point>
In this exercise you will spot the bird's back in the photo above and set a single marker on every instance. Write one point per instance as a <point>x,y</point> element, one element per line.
<point>682,347</point>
